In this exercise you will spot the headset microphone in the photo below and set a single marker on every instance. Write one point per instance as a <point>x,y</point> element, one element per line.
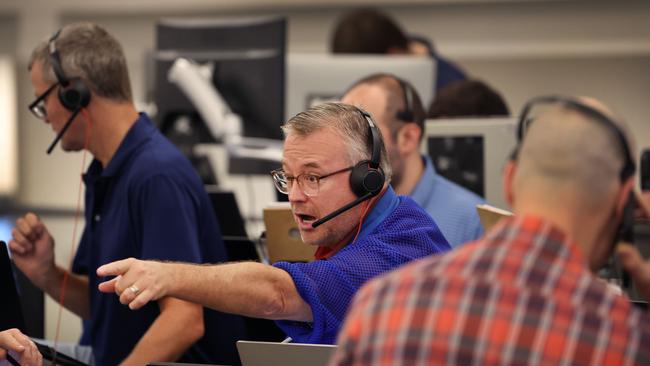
<point>65,128</point>
<point>341,210</point>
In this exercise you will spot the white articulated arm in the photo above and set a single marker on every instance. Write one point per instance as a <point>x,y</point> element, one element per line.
<point>195,82</point>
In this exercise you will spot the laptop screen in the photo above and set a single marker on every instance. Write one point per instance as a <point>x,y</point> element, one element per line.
<point>11,314</point>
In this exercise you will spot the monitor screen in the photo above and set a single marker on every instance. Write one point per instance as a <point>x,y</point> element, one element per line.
<point>317,78</point>
<point>247,55</point>
<point>6,225</point>
<point>460,159</point>
<point>472,152</point>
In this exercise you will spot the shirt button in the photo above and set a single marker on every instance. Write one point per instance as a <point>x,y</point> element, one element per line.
<point>97,218</point>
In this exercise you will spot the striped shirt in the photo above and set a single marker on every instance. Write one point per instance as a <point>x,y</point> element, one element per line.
<point>521,295</point>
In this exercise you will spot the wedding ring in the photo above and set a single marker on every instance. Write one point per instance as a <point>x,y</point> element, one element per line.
<point>134,289</point>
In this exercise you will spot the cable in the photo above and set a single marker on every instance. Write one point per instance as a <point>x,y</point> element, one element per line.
<point>73,245</point>
<point>363,216</point>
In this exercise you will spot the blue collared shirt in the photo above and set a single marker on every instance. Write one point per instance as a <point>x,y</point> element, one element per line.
<point>147,203</point>
<point>452,207</point>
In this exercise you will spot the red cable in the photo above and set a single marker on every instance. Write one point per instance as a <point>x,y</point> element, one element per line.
<point>363,215</point>
<point>66,274</point>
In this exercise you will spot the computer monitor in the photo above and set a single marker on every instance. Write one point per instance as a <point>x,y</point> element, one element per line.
<point>315,78</point>
<point>248,57</point>
<point>247,62</point>
<point>6,225</point>
<point>472,152</point>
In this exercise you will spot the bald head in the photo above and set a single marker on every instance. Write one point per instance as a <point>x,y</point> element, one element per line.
<point>384,96</point>
<point>567,152</point>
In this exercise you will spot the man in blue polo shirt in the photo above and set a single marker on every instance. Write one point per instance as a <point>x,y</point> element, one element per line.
<point>333,159</point>
<point>143,200</point>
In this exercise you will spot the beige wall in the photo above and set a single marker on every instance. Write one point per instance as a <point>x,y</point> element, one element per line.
<point>523,48</point>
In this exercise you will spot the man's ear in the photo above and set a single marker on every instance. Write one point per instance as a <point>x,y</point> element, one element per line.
<point>508,181</point>
<point>623,195</point>
<point>408,138</point>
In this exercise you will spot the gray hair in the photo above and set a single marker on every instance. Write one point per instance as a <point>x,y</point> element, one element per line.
<point>89,52</point>
<point>566,149</point>
<point>346,121</point>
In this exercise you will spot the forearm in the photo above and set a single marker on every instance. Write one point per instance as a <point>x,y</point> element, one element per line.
<point>76,291</point>
<point>179,325</point>
<point>246,288</point>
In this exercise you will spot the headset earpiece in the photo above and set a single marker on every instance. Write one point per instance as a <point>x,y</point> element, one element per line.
<point>75,96</point>
<point>365,180</point>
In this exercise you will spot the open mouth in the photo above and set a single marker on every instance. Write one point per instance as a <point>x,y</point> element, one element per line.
<point>306,219</point>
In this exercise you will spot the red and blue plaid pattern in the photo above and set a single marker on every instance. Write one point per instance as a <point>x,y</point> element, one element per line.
<point>521,295</point>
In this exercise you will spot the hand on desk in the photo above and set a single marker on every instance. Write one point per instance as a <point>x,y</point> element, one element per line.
<point>638,268</point>
<point>14,340</point>
<point>137,281</point>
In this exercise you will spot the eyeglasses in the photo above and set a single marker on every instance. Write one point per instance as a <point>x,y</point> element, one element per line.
<point>308,183</point>
<point>37,107</point>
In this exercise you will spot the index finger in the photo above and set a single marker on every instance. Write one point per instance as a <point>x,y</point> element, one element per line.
<point>115,268</point>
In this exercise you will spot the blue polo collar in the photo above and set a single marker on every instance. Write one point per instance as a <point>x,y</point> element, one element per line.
<point>426,185</point>
<point>138,134</point>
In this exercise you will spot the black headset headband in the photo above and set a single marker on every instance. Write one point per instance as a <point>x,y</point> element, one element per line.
<point>375,158</point>
<point>629,165</point>
<point>55,60</point>
<point>406,115</point>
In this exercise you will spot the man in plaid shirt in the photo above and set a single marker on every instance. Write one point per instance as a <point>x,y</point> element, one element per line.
<point>526,293</point>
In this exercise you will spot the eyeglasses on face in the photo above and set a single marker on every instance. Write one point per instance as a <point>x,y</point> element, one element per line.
<point>309,183</point>
<point>37,107</point>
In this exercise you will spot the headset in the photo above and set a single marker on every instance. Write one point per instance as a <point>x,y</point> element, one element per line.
<point>625,230</point>
<point>366,178</point>
<point>407,114</point>
<point>73,93</point>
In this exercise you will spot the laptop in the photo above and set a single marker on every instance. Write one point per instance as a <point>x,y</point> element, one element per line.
<point>281,354</point>
<point>11,315</point>
<point>283,242</point>
<point>490,215</point>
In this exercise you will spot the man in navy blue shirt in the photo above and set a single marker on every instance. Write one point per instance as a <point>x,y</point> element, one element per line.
<point>333,156</point>
<point>142,200</point>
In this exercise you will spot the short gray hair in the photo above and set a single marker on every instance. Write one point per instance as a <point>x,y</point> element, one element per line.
<point>565,148</point>
<point>89,52</point>
<point>345,120</point>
